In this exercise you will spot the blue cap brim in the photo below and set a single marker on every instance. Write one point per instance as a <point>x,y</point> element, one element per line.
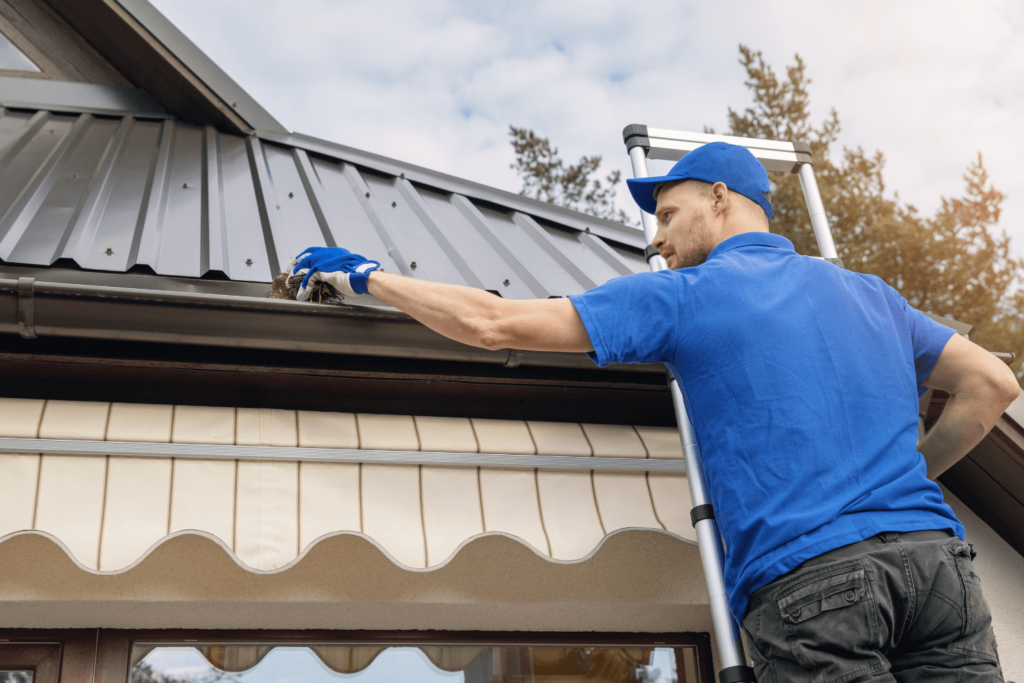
<point>642,190</point>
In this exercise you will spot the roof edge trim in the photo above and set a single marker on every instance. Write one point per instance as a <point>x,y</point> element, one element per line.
<point>78,98</point>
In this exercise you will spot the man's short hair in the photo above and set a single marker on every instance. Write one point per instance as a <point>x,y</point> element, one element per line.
<point>697,186</point>
<point>694,186</point>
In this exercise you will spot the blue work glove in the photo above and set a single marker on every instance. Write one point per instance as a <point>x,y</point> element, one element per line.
<point>340,268</point>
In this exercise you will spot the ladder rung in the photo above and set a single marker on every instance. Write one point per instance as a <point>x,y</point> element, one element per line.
<point>672,145</point>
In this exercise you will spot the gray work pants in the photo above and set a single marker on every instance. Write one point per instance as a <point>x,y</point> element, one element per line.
<point>896,607</point>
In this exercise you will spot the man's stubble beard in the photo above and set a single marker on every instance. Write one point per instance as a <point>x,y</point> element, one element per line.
<point>699,247</point>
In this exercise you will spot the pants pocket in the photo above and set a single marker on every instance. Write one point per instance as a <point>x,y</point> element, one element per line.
<point>830,619</point>
<point>976,639</point>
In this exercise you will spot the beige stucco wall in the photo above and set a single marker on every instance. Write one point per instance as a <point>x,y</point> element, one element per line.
<point>1001,570</point>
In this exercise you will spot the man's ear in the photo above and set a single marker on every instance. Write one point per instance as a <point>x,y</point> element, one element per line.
<point>720,197</point>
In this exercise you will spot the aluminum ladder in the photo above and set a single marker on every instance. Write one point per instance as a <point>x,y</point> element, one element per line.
<point>645,143</point>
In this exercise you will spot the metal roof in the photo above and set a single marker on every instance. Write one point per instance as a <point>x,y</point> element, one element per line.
<point>123,192</point>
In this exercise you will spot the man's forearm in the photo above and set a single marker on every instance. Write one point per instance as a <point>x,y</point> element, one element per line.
<point>479,318</point>
<point>961,427</point>
<point>980,388</point>
<point>459,313</point>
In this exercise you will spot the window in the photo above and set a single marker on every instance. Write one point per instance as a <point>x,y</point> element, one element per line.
<point>29,662</point>
<point>419,663</point>
<point>13,59</point>
<point>16,676</point>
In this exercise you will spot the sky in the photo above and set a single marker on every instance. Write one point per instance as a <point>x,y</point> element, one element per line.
<point>929,84</point>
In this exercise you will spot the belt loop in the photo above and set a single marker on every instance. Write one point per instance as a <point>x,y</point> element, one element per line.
<point>889,536</point>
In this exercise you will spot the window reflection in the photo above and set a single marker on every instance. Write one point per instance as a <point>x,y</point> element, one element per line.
<point>15,677</point>
<point>267,663</point>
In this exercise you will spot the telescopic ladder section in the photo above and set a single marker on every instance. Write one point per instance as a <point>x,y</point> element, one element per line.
<point>646,143</point>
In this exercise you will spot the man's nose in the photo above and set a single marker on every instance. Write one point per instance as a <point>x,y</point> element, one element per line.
<point>659,239</point>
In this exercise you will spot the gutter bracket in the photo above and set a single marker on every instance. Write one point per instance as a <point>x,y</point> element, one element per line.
<point>515,357</point>
<point>26,307</point>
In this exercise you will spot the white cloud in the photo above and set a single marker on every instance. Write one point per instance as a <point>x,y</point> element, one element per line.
<point>436,84</point>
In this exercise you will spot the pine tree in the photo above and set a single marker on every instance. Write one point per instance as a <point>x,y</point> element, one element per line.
<point>547,178</point>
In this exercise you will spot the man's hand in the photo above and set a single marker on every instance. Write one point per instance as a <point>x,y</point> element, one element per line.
<point>479,318</point>
<point>980,388</point>
<point>340,268</point>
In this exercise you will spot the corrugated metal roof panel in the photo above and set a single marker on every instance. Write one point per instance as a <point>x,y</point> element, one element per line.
<point>116,193</point>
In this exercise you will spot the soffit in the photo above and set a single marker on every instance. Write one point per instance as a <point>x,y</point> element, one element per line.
<point>153,55</point>
<point>56,48</point>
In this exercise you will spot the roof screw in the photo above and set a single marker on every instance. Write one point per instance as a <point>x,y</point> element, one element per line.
<point>586,230</point>
<point>506,283</point>
<point>248,261</point>
<point>367,195</point>
<point>235,105</point>
<point>109,251</point>
<point>74,177</point>
<point>413,265</point>
<point>51,131</point>
<point>290,195</point>
<point>184,185</point>
<point>394,204</point>
<point>402,176</point>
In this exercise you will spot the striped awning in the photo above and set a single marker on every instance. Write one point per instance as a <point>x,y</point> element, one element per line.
<point>109,511</point>
<point>156,519</point>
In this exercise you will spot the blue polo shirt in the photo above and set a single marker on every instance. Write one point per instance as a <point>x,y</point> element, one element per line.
<point>802,381</point>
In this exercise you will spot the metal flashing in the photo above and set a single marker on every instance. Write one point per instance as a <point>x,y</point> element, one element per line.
<point>80,98</point>
<point>204,68</point>
<point>200,451</point>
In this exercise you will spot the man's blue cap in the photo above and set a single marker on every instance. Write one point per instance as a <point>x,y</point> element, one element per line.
<point>715,162</point>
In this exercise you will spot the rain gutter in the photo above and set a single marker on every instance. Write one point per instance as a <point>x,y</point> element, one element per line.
<point>34,308</point>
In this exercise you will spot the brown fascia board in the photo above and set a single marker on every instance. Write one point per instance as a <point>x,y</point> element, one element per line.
<point>147,63</point>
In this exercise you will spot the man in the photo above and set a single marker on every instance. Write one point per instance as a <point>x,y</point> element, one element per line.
<point>843,562</point>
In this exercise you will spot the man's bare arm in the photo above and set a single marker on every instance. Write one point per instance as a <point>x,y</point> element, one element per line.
<point>980,388</point>
<point>479,318</point>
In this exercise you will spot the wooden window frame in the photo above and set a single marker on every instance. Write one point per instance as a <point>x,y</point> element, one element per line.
<point>104,655</point>
<point>42,659</point>
<point>55,656</point>
<point>47,69</point>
